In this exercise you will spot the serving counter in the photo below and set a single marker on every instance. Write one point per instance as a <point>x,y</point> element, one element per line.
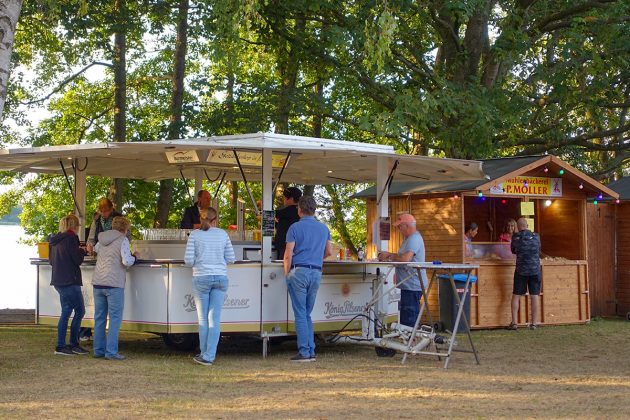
<point>564,295</point>
<point>159,299</point>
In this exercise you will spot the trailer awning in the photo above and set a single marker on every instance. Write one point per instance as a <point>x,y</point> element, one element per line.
<point>310,160</point>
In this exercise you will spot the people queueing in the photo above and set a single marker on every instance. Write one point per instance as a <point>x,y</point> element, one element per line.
<point>285,217</point>
<point>526,245</point>
<point>108,282</point>
<point>307,244</point>
<point>66,257</point>
<point>208,251</point>
<point>101,222</point>
<point>407,278</point>
<point>199,210</point>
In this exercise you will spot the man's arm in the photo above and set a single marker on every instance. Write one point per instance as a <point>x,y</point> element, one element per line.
<point>288,257</point>
<point>390,256</point>
<point>187,220</point>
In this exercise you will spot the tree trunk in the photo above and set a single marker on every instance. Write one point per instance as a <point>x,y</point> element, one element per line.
<point>177,99</point>
<point>9,15</point>
<point>234,198</point>
<point>289,64</point>
<point>116,189</point>
<point>338,220</point>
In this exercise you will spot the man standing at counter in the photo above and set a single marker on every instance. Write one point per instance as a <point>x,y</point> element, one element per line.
<point>193,214</point>
<point>307,244</point>
<point>526,245</point>
<point>407,279</point>
<point>285,217</point>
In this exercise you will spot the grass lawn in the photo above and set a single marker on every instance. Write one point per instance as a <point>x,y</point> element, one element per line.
<point>554,372</point>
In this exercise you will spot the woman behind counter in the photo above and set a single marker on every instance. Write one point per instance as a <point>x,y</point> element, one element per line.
<point>508,230</point>
<point>208,251</point>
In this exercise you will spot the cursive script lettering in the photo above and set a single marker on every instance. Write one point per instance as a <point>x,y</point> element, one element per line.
<point>348,307</point>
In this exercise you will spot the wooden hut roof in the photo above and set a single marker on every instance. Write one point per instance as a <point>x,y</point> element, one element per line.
<point>621,187</point>
<point>497,170</point>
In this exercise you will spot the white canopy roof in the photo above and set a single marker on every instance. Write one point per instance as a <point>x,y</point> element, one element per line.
<point>311,161</point>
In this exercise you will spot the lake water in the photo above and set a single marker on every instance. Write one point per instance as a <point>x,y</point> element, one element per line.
<point>17,276</point>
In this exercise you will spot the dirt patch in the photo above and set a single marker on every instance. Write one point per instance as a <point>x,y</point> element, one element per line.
<point>554,372</point>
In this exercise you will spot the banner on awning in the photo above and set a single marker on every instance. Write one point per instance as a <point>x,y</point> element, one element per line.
<point>529,185</point>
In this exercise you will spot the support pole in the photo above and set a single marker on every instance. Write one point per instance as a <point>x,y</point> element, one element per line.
<point>267,200</point>
<point>199,175</point>
<point>80,188</point>
<point>382,208</point>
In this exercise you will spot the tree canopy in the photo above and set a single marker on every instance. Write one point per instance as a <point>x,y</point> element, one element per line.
<point>454,78</point>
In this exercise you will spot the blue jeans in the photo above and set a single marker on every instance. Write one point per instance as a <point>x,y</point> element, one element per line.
<point>209,294</point>
<point>303,284</point>
<point>409,306</point>
<point>107,301</point>
<point>71,299</point>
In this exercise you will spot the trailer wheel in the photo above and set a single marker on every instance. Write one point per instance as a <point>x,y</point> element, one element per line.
<point>383,352</point>
<point>182,342</point>
<point>628,316</point>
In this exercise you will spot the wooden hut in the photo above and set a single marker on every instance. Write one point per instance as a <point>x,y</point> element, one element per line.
<point>619,295</point>
<point>548,191</point>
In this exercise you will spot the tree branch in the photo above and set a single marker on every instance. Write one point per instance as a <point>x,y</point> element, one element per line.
<point>66,81</point>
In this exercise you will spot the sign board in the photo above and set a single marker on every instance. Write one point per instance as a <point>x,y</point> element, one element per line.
<point>527,208</point>
<point>529,185</point>
<point>226,157</point>
<point>182,156</point>
<point>268,222</point>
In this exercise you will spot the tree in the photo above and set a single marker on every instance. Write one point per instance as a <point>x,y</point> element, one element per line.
<point>9,14</point>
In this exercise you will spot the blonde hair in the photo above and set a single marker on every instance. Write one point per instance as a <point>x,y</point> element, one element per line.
<point>508,223</point>
<point>121,224</point>
<point>211,216</point>
<point>69,222</point>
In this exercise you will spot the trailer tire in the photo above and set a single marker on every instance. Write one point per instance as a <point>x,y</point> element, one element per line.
<point>383,352</point>
<point>182,342</point>
<point>628,316</point>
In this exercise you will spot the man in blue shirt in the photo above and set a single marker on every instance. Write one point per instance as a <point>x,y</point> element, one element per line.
<point>308,243</point>
<point>407,279</point>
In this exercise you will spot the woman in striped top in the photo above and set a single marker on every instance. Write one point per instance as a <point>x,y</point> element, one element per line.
<point>208,251</point>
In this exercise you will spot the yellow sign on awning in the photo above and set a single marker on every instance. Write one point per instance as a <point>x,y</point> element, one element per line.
<point>529,185</point>
<point>226,157</point>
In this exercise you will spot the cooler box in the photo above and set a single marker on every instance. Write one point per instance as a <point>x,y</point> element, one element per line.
<point>448,303</point>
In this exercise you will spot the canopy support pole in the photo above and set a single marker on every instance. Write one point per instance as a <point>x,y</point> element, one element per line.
<point>80,190</point>
<point>240,168</point>
<point>267,201</point>
<point>382,206</point>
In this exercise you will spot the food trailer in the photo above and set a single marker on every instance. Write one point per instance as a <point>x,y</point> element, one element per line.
<point>158,295</point>
<point>551,194</point>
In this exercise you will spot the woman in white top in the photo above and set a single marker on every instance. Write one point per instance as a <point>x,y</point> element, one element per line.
<point>208,251</point>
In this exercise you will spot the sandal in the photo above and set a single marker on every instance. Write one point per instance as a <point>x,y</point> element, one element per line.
<point>512,326</point>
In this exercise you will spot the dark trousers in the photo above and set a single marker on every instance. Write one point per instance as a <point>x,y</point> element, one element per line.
<point>409,306</point>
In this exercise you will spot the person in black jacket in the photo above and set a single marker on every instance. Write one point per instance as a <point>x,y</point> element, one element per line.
<point>285,217</point>
<point>193,214</point>
<point>65,257</point>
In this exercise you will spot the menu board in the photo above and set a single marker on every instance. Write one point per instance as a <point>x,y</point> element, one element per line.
<point>268,222</point>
